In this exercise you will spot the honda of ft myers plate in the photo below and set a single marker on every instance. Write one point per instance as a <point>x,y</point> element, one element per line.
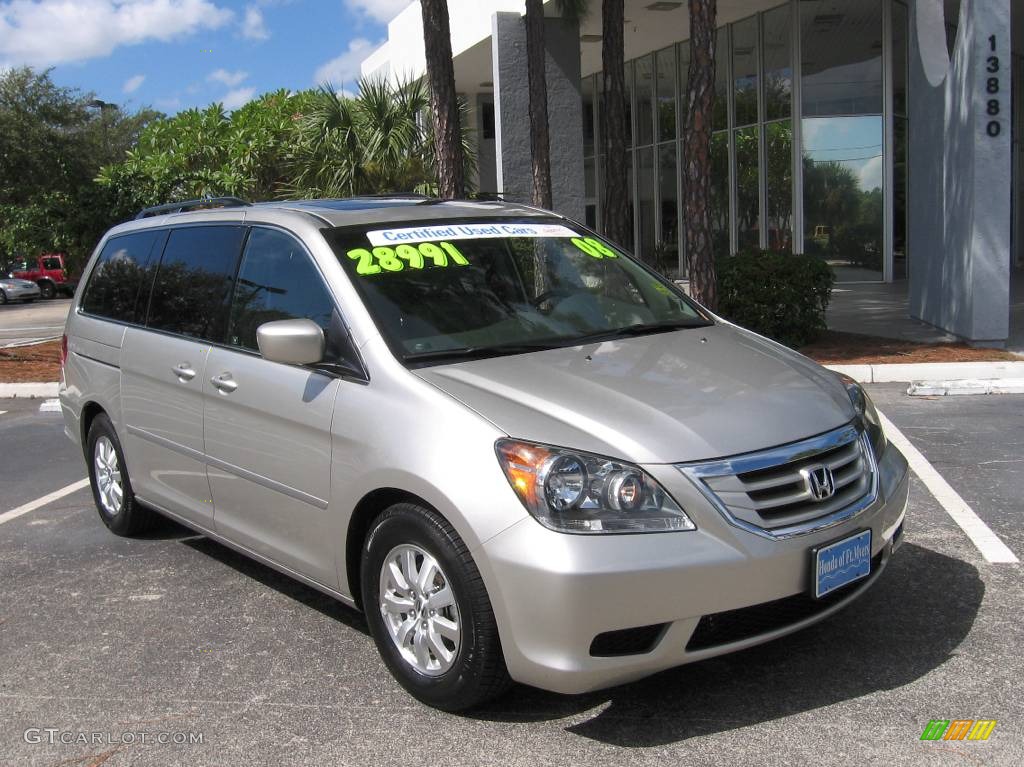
<point>522,453</point>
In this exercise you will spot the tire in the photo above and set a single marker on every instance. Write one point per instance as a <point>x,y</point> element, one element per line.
<point>475,670</point>
<point>120,512</point>
<point>3,298</point>
<point>47,290</point>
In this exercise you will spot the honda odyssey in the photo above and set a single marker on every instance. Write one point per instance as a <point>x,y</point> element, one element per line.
<point>522,453</point>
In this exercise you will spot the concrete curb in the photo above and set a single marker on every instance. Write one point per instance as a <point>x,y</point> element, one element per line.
<point>966,386</point>
<point>28,390</point>
<point>932,371</point>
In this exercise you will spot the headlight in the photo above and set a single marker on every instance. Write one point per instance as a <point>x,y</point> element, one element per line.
<point>575,492</point>
<point>866,413</point>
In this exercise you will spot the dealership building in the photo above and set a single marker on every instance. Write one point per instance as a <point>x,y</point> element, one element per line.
<point>882,136</point>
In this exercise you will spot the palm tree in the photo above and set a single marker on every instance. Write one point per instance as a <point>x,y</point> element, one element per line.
<point>696,168</point>
<point>540,144</point>
<point>444,103</point>
<point>614,209</point>
<point>375,142</point>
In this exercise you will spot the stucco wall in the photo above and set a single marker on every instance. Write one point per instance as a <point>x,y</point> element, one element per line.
<point>959,197</point>
<point>512,111</point>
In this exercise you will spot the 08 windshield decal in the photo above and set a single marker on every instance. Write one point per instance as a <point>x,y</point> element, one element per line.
<point>594,247</point>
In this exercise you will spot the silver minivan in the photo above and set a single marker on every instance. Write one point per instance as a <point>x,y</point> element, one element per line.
<point>522,453</point>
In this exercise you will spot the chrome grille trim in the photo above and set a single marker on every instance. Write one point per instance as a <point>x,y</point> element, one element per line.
<point>763,493</point>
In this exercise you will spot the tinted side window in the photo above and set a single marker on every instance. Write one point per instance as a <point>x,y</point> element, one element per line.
<point>193,283</point>
<point>120,277</point>
<point>277,281</point>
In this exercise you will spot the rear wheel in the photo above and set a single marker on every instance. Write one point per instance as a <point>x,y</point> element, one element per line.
<point>428,610</point>
<point>47,289</point>
<point>111,487</point>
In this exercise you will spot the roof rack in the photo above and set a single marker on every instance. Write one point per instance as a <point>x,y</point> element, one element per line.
<point>184,205</point>
<point>391,196</point>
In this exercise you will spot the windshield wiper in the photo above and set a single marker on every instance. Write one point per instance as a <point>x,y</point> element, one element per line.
<point>471,352</point>
<point>641,329</point>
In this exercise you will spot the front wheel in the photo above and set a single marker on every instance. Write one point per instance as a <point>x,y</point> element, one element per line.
<point>3,298</point>
<point>428,610</point>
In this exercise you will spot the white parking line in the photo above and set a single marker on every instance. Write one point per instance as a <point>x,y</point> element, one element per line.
<point>7,516</point>
<point>987,542</point>
<point>50,406</point>
<point>2,412</point>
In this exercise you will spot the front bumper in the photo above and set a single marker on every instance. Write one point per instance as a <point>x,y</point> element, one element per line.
<point>553,593</point>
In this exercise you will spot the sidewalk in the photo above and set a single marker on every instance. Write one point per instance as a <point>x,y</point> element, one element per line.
<point>880,309</point>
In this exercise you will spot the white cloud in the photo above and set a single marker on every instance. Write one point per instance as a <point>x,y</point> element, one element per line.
<point>871,174</point>
<point>344,68</point>
<point>378,10</point>
<point>238,97</point>
<point>47,32</point>
<point>172,104</point>
<point>226,78</point>
<point>253,27</point>
<point>132,83</point>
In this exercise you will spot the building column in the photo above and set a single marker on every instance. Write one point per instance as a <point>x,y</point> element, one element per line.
<point>512,111</point>
<point>960,170</point>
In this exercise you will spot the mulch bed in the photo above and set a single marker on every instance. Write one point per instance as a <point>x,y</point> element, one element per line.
<point>836,348</point>
<point>38,363</point>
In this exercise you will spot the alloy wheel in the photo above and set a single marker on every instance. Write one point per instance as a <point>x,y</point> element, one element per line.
<point>108,476</point>
<point>419,610</point>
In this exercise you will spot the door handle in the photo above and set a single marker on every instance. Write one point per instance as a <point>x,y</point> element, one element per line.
<point>225,383</point>
<point>184,372</point>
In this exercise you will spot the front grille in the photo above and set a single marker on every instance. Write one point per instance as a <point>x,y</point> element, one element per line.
<point>749,622</point>
<point>767,491</point>
<point>626,641</point>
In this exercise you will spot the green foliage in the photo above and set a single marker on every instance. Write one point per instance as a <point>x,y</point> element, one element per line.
<point>53,140</point>
<point>314,143</point>
<point>779,295</point>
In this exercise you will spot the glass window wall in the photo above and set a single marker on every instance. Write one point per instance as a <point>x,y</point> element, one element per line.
<point>744,70</point>
<point>842,133</point>
<point>841,160</point>
<point>666,92</point>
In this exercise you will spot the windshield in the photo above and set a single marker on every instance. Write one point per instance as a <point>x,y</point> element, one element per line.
<point>463,289</point>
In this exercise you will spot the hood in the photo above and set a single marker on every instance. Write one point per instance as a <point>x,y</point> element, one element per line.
<point>686,395</point>
<point>18,282</point>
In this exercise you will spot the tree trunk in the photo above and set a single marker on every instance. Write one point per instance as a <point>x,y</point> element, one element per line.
<point>540,144</point>
<point>616,204</point>
<point>444,104</point>
<point>700,97</point>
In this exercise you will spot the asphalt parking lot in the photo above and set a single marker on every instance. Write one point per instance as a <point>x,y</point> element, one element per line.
<point>37,321</point>
<point>176,634</point>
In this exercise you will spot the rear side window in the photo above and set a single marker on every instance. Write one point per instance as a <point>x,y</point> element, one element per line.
<point>193,284</point>
<point>119,283</point>
<point>51,263</point>
<point>277,281</point>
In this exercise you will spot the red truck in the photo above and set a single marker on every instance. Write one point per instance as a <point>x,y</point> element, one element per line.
<point>48,271</point>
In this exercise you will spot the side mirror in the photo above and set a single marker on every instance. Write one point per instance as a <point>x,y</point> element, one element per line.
<point>293,342</point>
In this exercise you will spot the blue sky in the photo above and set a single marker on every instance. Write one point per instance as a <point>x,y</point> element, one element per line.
<point>176,54</point>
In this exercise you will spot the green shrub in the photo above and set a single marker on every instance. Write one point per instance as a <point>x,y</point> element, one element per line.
<point>779,295</point>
